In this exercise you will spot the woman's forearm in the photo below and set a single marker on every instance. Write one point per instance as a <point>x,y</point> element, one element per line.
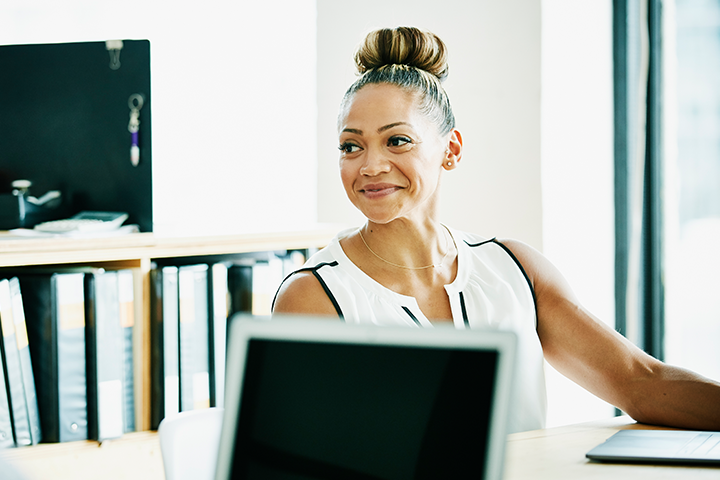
<point>676,397</point>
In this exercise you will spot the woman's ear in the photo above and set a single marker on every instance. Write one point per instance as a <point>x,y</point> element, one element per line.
<point>453,152</point>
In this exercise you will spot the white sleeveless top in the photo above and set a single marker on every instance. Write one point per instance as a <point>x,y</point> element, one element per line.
<point>490,291</point>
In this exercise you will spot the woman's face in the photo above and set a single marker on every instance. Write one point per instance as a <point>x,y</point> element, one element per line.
<point>391,155</point>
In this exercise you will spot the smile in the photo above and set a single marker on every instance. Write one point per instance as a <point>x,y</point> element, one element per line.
<point>379,190</point>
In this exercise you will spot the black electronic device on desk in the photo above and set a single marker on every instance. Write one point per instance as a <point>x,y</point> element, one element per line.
<point>76,119</point>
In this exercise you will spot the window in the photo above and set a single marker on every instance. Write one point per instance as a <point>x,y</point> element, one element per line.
<point>692,186</point>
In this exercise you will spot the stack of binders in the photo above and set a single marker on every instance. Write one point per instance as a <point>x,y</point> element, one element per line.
<point>190,308</point>
<point>189,320</point>
<point>77,328</point>
<point>67,344</point>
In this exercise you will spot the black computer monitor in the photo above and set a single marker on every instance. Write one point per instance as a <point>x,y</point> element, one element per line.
<point>339,403</point>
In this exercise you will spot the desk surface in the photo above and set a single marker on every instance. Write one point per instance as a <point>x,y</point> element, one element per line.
<point>554,453</point>
<point>559,453</point>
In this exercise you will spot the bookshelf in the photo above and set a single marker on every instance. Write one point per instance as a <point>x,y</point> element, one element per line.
<point>121,458</point>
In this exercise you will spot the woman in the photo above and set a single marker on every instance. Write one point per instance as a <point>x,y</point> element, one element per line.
<point>403,267</point>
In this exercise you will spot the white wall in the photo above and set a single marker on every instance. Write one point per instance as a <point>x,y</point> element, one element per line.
<point>233,125</point>
<point>494,85</point>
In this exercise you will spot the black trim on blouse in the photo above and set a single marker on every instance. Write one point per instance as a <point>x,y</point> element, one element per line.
<point>414,318</point>
<point>464,310</point>
<point>314,271</point>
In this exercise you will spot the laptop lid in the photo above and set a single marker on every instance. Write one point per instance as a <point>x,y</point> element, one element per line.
<point>318,399</point>
<point>659,446</point>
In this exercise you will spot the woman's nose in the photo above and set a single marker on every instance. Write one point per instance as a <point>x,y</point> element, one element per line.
<point>375,163</point>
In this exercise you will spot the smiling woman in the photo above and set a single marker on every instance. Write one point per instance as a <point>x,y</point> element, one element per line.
<point>397,139</point>
<point>384,137</point>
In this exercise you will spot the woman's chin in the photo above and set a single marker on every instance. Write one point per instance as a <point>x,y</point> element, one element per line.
<point>379,219</point>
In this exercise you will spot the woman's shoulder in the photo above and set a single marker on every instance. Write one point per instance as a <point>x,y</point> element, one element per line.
<point>302,293</point>
<point>540,271</point>
<point>518,252</point>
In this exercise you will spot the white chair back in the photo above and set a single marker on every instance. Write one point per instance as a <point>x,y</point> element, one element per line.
<point>189,444</point>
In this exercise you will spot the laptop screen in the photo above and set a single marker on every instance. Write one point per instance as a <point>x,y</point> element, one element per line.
<point>328,410</point>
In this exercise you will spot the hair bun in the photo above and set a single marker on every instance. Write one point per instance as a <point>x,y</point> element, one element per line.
<point>408,46</point>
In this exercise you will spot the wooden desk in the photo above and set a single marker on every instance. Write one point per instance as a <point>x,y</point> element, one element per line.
<point>554,454</point>
<point>135,456</point>
<point>559,453</point>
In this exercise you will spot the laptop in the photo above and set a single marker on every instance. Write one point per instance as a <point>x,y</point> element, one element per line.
<point>659,446</point>
<point>320,399</point>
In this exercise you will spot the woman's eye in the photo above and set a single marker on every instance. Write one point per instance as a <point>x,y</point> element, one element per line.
<point>398,141</point>
<point>348,147</point>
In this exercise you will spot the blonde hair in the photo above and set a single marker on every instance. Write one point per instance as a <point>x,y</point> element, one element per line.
<point>412,59</point>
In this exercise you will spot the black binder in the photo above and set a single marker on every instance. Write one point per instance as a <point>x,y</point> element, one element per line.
<point>164,338</point>
<point>240,284</point>
<point>54,307</point>
<point>104,356</point>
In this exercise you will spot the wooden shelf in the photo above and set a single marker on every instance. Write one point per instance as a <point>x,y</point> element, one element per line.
<point>19,251</point>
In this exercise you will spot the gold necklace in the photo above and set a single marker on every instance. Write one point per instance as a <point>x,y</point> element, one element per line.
<point>433,265</point>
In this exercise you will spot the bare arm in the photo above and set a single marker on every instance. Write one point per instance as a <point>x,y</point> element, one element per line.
<point>303,294</point>
<point>604,362</point>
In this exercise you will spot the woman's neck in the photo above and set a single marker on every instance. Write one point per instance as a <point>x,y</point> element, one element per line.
<point>405,245</point>
<point>412,260</point>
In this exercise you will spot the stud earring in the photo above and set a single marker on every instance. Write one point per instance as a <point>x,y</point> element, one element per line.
<point>449,164</point>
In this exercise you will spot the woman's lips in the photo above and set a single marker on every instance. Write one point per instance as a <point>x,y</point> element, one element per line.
<point>377,190</point>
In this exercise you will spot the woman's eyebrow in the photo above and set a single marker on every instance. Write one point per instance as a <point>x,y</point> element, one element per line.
<point>379,130</point>
<point>391,125</point>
